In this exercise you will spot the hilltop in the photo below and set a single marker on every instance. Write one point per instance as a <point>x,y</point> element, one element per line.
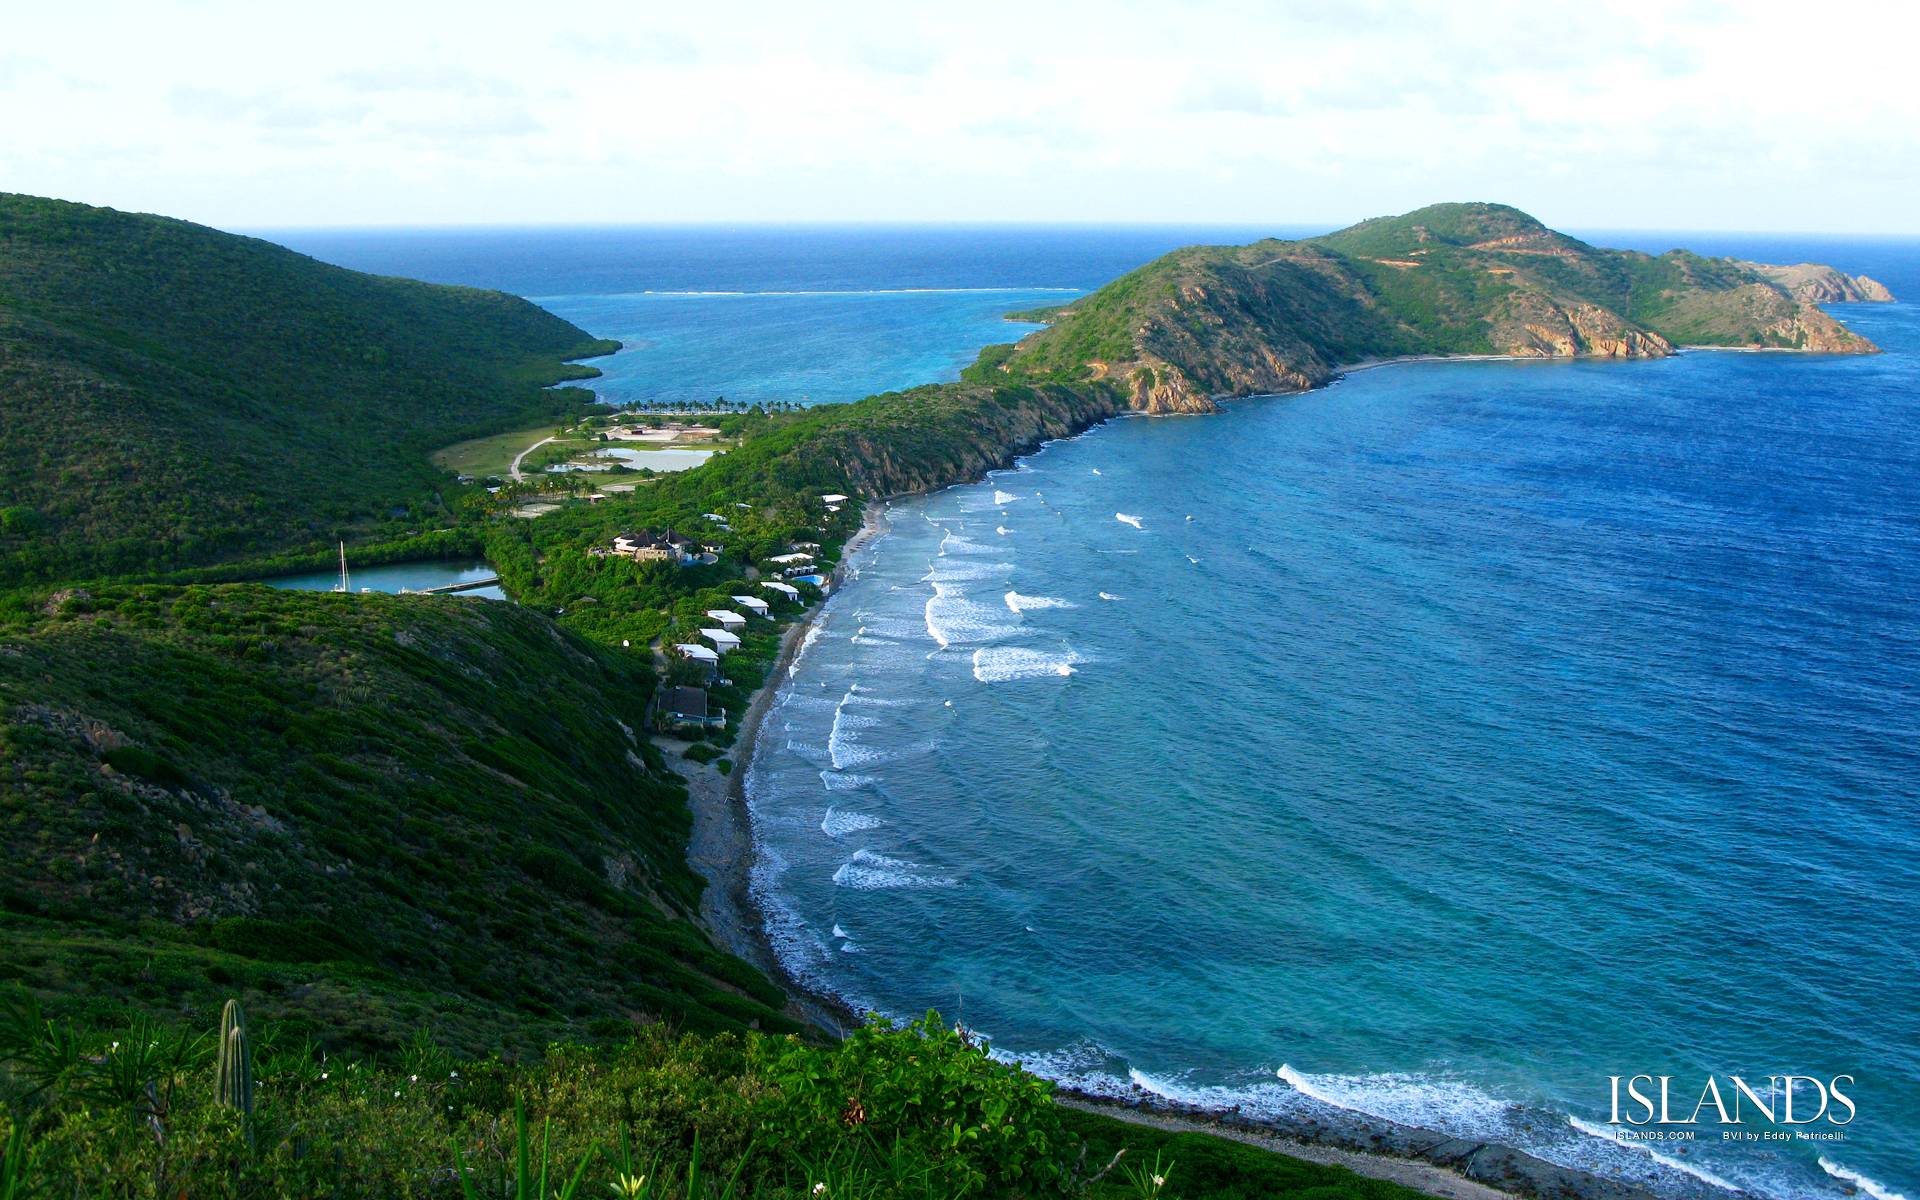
<point>171,395</point>
<point>1450,279</point>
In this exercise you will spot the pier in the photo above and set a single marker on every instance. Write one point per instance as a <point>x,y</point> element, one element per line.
<point>465,585</point>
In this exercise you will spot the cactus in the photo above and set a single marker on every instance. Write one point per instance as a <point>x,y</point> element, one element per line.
<point>235,1065</point>
<point>232,1017</point>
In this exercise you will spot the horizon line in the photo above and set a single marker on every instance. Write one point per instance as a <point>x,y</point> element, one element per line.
<point>709,224</point>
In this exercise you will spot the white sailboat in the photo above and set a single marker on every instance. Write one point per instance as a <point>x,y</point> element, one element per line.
<point>342,585</point>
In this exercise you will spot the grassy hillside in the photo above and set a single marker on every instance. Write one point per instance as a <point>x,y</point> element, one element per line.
<point>172,396</point>
<point>920,1113</point>
<point>363,814</point>
<point>1449,279</point>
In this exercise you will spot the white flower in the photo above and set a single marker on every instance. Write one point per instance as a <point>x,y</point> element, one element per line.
<point>819,1189</point>
<point>396,1093</point>
<point>323,1074</point>
<point>453,1074</point>
<point>1159,1181</point>
<point>413,1079</point>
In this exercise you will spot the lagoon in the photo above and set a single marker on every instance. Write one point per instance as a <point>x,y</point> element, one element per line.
<point>396,577</point>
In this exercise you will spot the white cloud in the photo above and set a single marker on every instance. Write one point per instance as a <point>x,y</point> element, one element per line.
<point>1610,113</point>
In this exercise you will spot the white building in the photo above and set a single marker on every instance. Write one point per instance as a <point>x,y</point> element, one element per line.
<point>835,498</point>
<point>785,589</point>
<point>754,605</point>
<point>695,652</point>
<point>723,642</point>
<point>729,621</point>
<point>791,560</point>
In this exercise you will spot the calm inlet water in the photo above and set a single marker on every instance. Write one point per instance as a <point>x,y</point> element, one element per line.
<point>396,577</point>
<point>1488,730</point>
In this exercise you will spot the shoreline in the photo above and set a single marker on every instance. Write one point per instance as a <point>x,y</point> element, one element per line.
<point>722,850</point>
<point>721,846</point>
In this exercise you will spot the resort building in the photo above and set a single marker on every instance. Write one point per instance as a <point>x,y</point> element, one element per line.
<point>654,545</point>
<point>754,605</point>
<point>732,622</point>
<point>835,498</point>
<point>684,707</point>
<point>785,589</point>
<point>723,642</point>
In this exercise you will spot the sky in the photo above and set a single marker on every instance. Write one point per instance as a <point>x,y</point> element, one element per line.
<point>1655,114</point>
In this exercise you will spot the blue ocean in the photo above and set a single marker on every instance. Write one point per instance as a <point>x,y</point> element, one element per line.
<point>1435,745</point>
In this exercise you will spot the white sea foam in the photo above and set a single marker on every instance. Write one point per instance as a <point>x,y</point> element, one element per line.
<point>951,617</point>
<point>1607,1133</point>
<point>1004,497</point>
<point>1096,470</point>
<point>1001,664</point>
<point>1872,1187</point>
<point>843,746</point>
<point>1018,603</point>
<point>1128,519</point>
<point>837,931</point>
<point>845,781</point>
<point>838,823</point>
<point>806,643</point>
<point>1001,530</point>
<point>1110,596</point>
<point>867,871</point>
<point>964,570</point>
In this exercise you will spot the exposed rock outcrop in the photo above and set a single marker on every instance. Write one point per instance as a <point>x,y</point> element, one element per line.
<point>1814,283</point>
<point>1532,325</point>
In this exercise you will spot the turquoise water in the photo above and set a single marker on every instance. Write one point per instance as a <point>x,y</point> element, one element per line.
<point>804,347</point>
<point>396,577</point>
<point>1449,740</point>
<point>1491,728</point>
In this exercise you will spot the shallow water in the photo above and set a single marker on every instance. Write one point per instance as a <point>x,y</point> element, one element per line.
<point>665,459</point>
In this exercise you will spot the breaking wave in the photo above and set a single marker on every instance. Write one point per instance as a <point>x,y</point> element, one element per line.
<point>1002,664</point>
<point>1018,603</point>
<point>867,871</point>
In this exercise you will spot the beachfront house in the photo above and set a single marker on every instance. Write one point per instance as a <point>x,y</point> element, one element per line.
<point>754,605</point>
<point>723,642</point>
<point>785,589</point>
<point>686,708</point>
<point>732,622</point>
<point>835,498</point>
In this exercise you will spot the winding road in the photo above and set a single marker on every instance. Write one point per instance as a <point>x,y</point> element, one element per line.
<point>514,469</point>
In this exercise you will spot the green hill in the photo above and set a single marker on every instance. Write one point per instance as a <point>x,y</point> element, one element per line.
<point>364,814</point>
<point>1449,279</point>
<point>171,395</point>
